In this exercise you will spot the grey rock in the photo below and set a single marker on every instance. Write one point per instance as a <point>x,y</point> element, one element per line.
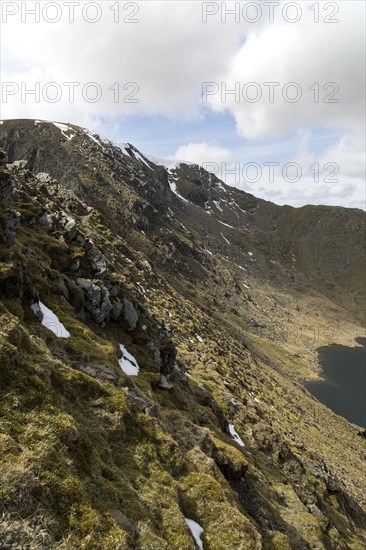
<point>116,309</point>
<point>17,165</point>
<point>152,411</point>
<point>69,226</point>
<point>314,510</point>
<point>81,315</point>
<point>75,266</point>
<point>103,372</point>
<point>156,352</point>
<point>168,353</point>
<point>91,371</point>
<point>125,523</point>
<point>63,288</point>
<point>166,331</point>
<point>164,383</point>
<point>98,303</point>
<point>114,291</point>
<point>43,177</point>
<point>6,190</point>
<point>96,260</point>
<point>37,311</point>
<point>3,157</point>
<point>130,314</point>
<point>47,221</point>
<point>81,240</point>
<point>137,401</point>
<point>12,222</point>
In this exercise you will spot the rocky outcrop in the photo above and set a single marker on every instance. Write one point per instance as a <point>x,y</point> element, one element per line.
<point>101,372</point>
<point>97,261</point>
<point>101,303</point>
<point>168,354</point>
<point>130,314</point>
<point>97,300</point>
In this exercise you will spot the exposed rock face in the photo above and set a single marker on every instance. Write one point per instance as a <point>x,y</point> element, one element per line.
<point>96,259</point>
<point>102,372</point>
<point>12,217</point>
<point>97,303</point>
<point>47,221</point>
<point>156,353</point>
<point>130,314</point>
<point>168,354</point>
<point>12,222</point>
<point>68,224</point>
<point>3,157</point>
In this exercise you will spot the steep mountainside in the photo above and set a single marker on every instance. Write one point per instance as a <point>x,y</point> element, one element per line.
<point>155,326</point>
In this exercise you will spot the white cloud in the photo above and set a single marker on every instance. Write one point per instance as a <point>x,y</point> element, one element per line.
<point>303,53</point>
<point>203,152</point>
<point>335,176</point>
<point>167,54</point>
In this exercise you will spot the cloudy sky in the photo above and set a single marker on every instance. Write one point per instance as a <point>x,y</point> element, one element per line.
<point>268,95</point>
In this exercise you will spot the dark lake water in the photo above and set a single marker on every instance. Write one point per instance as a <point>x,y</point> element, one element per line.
<point>344,386</point>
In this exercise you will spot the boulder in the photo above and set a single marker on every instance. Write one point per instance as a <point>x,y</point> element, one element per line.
<point>137,401</point>
<point>314,510</point>
<point>164,383</point>
<point>116,309</point>
<point>168,354</point>
<point>155,351</point>
<point>97,300</point>
<point>43,177</point>
<point>125,523</point>
<point>47,221</point>
<point>18,165</point>
<point>69,226</point>
<point>130,314</point>
<point>152,411</point>
<point>96,260</point>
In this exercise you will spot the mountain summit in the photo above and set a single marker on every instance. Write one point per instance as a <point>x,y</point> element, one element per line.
<point>156,325</point>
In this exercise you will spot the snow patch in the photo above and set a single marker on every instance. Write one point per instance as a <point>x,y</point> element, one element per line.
<point>140,287</point>
<point>227,225</point>
<point>97,139</point>
<point>253,394</point>
<point>218,206</point>
<point>196,531</point>
<point>123,147</point>
<point>225,239</point>
<point>139,157</point>
<point>50,320</point>
<point>173,188</point>
<point>235,435</point>
<point>199,338</point>
<point>128,363</point>
<point>64,128</point>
